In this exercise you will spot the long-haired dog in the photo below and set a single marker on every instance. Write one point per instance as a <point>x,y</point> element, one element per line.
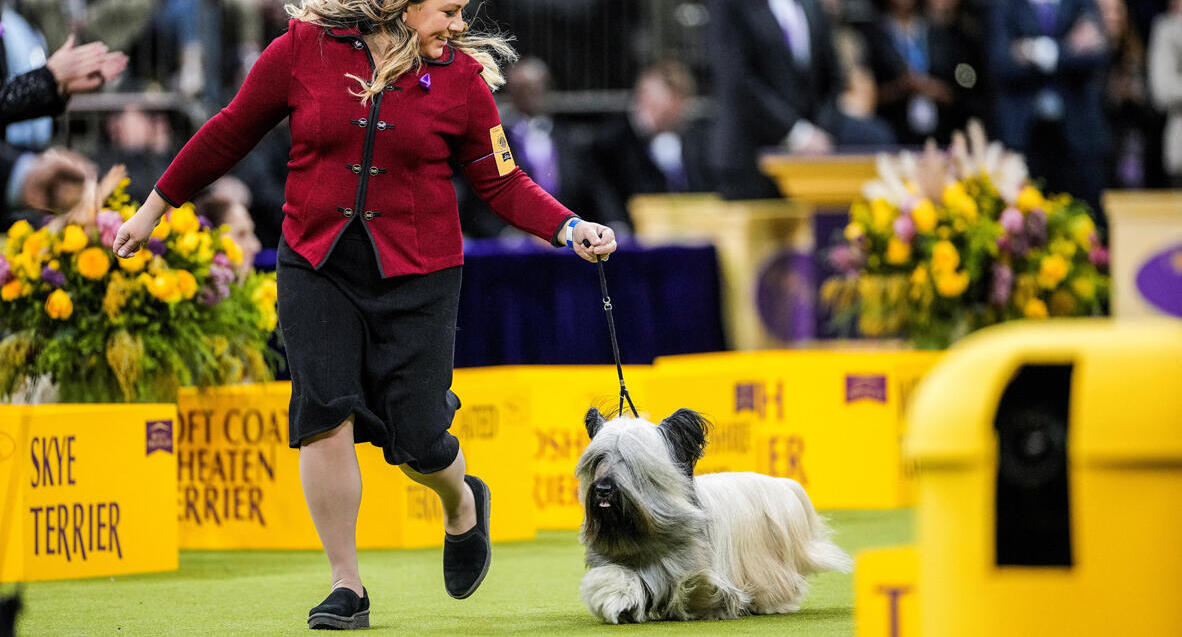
<point>662,544</point>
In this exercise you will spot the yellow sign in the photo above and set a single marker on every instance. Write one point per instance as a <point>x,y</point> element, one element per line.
<point>501,151</point>
<point>239,486</point>
<point>829,420</point>
<point>88,490</point>
<point>886,596</point>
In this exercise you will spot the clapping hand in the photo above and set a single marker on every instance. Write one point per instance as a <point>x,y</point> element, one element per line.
<point>81,69</point>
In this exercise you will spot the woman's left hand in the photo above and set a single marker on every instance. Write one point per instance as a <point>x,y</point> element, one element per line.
<point>601,240</point>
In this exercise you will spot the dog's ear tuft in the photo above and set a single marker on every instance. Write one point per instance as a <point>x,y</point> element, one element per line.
<point>594,420</point>
<point>685,432</point>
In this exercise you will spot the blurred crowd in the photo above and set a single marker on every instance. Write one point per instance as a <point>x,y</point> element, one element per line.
<point>1089,90</point>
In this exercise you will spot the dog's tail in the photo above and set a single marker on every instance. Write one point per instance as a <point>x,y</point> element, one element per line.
<point>811,534</point>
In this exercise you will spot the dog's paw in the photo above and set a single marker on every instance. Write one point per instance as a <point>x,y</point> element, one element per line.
<point>614,595</point>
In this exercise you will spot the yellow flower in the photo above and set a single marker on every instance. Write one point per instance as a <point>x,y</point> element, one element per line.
<point>920,275</point>
<point>924,216</point>
<point>20,230</point>
<point>184,220</point>
<point>266,294</point>
<point>854,231</point>
<point>952,284</point>
<point>1035,309</point>
<point>1062,303</point>
<point>186,283</point>
<point>73,239</point>
<point>1030,198</point>
<point>93,263</point>
<point>135,262</point>
<point>1052,270</point>
<point>165,287</point>
<point>188,243</point>
<point>945,258</point>
<point>268,319</point>
<point>55,265</point>
<point>233,252</point>
<point>161,230</point>
<point>1064,247</point>
<point>59,306</point>
<point>11,290</point>
<point>27,264</point>
<point>1082,230</point>
<point>1084,287</point>
<point>36,243</point>
<point>957,199</point>
<point>897,252</point>
<point>119,289</point>
<point>127,212</point>
<point>882,213</point>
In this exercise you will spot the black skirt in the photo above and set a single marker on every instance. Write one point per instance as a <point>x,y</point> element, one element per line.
<point>380,349</point>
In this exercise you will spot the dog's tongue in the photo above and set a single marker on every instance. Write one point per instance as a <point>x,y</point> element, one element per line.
<point>605,505</point>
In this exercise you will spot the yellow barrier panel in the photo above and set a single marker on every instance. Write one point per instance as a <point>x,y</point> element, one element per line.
<point>89,490</point>
<point>886,596</point>
<point>829,420</point>
<point>239,484</point>
<point>557,399</point>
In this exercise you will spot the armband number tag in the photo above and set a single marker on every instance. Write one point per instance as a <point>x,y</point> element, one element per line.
<point>500,146</point>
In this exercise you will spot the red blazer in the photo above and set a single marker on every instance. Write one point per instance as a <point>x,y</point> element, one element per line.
<point>385,162</point>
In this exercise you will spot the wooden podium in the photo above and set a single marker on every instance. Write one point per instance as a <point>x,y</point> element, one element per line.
<point>1146,251</point>
<point>825,181</point>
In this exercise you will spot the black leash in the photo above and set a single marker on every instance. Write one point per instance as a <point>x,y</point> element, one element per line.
<point>611,328</point>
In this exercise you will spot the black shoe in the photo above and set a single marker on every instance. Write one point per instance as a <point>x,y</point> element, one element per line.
<point>466,556</point>
<point>341,610</point>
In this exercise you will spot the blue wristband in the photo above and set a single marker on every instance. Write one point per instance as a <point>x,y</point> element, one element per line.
<point>570,231</point>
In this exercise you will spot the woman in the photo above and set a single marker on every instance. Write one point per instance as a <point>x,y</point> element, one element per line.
<point>381,95</point>
<point>1165,83</point>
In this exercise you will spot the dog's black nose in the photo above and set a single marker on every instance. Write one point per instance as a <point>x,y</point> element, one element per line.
<point>603,489</point>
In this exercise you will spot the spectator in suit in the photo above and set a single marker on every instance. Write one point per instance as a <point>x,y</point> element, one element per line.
<point>1135,161</point>
<point>553,154</point>
<point>777,80</point>
<point>657,147</point>
<point>1165,84</point>
<point>1048,60</point>
<point>916,63</point>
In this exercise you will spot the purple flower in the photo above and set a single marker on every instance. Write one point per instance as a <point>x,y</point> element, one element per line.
<point>53,277</point>
<point>5,270</point>
<point>1004,244</point>
<point>425,81</point>
<point>208,296</point>
<point>204,222</point>
<point>1019,245</point>
<point>904,228</point>
<point>845,259</point>
<point>1098,256</point>
<point>221,275</point>
<point>1011,220</point>
<point>156,246</point>
<point>1036,227</point>
<point>108,224</point>
<point>1003,284</point>
<point>222,260</point>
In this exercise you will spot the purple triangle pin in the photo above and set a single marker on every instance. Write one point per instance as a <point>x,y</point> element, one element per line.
<point>425,81</point>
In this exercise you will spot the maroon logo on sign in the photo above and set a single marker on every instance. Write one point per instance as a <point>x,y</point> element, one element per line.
<point>868,387</point>
<point>159,436</point>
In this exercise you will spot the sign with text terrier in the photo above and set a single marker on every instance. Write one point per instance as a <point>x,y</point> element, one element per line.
<point>89,490</point>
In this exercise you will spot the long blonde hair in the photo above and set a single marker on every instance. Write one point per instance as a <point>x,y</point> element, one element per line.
<point>397,43</point>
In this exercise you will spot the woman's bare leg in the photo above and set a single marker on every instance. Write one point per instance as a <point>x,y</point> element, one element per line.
<point>332,486</point>
<point>459,506</point>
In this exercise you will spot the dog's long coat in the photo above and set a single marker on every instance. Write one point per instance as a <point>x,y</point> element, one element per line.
<point>664,545</point>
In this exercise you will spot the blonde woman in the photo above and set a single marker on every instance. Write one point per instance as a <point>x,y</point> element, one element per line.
<point>381,95</point>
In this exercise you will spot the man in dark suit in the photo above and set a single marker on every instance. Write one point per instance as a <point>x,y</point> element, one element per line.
<point>777,79</point>
<point>1047,58</point>
<point>657,147</point>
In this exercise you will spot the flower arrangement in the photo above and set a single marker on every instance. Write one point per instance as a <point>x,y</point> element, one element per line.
<point>183,311</point>
<point>949,242</point>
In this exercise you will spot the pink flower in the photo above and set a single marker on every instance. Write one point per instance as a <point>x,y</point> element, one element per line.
<point>5,271</point>
<point>222,260</point>
<point>904,228</point>
<point>1011,220</point>
<point>1098,256</point>
<point>1002,284</point>
<point>108,224</point>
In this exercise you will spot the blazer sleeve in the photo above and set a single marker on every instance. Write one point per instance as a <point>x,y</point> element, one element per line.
<point>30,95</point>
<point>224,140</point>
<point>502,185</point>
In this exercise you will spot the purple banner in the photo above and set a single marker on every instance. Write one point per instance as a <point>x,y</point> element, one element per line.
<point>159,436</point>
<point>1160,280</point>
<point>868,387</point>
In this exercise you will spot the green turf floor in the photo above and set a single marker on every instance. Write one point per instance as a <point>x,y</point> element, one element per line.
<point>532,589</point>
